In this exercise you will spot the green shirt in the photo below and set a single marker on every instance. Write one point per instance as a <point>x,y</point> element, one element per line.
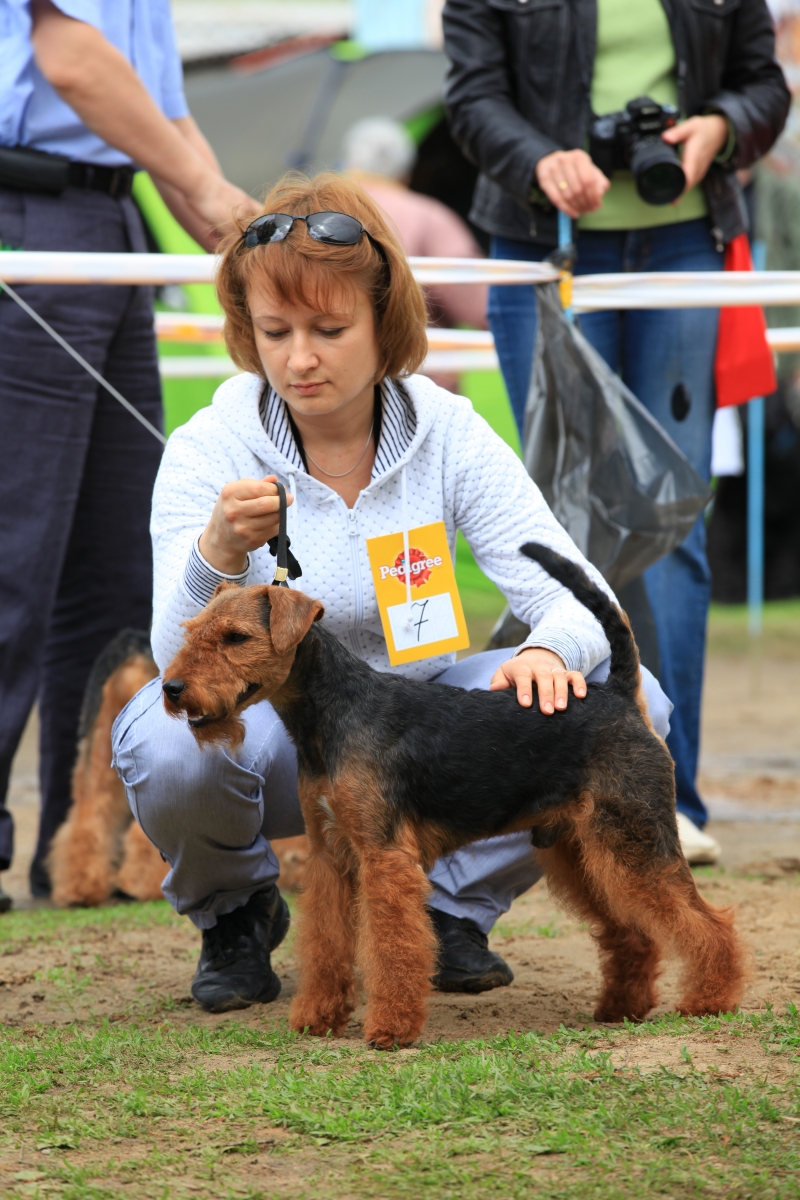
<point>635,57</point>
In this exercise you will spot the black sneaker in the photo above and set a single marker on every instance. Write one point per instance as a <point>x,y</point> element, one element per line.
<point>5,900</point>
<point>466,964</point>
<point>234,969</point>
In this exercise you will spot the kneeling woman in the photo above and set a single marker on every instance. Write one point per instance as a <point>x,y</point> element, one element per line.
<point>325,318</point>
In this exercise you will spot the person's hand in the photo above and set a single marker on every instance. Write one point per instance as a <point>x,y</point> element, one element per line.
<point>571,181</point>
<point>547,671</point>
<point>702,139</point>
<point>213,199</point>
<point>246,515</point>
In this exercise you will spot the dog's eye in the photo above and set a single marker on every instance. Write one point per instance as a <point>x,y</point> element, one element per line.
<point>235,637</point>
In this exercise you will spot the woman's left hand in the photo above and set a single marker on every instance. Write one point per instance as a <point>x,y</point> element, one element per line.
<point>547,671</point>
<point>703,138</point>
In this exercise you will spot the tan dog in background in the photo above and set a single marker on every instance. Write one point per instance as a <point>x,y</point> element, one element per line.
<point>100,849</point>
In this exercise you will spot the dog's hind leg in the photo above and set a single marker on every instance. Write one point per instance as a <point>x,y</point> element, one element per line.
<point>715,967</point>
<point>398,945</point>
<point>654,895</point>
<point>630,959</point>
<point>326,995</point>
<point>642,889</point>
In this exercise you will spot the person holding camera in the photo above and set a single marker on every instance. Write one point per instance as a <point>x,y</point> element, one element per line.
<point>90,91</point>
<point>633,120</point>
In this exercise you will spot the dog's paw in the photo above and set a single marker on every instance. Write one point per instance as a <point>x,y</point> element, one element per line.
<point>388,1042</point>
<point>315,1020</point>
<point>319,1028</point>
<point>696,1007</point>
<point>615,1014</point>
<point>392,1035</point>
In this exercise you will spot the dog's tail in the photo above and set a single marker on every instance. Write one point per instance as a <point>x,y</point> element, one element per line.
<point>624,655</point>
<point>128,646</point>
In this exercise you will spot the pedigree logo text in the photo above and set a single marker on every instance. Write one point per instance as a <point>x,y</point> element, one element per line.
<point>421,567</point>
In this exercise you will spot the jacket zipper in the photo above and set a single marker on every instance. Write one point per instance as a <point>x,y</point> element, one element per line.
<point>358,583</point>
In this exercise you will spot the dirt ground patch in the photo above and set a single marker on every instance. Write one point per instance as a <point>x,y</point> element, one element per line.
<point>127,974</point>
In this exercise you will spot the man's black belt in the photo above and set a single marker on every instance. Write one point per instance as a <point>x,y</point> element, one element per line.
<point>28,170</point>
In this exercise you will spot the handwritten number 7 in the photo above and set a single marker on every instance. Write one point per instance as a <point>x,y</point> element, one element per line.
<point>423,620</point>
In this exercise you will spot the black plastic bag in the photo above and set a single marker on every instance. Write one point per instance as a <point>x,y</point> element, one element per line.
<point>614,479</point>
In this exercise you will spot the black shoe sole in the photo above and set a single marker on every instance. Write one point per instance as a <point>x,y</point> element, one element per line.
<point>228,1001</point>
<point>6,903</point>
<point>472,985</point>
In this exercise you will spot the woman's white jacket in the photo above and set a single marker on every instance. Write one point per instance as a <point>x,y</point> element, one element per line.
<point>457,470</point>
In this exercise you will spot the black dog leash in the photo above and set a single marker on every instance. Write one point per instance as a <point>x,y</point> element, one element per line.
<point>287,564</point>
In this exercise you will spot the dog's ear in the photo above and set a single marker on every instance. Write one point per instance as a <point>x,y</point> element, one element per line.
<point>225,586</point>
<point>291,615</point>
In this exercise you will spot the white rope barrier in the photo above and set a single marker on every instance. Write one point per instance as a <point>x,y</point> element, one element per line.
<point>219,366</point>
<point>207,328</point>
<point>679,289</point>
<point>39,266</point>
<point>782,340</point>
<point>449,350</point>
<point>685,289</point>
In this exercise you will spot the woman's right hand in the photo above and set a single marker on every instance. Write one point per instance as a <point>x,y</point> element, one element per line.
<point>572,182</point>
<point>246,515</point>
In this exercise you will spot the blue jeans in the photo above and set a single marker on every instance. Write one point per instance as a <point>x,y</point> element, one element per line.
<point>653,350</point>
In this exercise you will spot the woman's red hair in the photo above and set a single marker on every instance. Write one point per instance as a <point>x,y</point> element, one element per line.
<point>299,270</point>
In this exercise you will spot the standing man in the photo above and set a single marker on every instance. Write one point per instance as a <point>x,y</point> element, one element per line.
<point>90,91</point>
<point>525,81</point>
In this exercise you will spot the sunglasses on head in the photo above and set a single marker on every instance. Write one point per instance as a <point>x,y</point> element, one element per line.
<point>333,228</point>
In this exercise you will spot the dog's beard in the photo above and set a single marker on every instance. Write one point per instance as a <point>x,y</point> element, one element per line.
<point>226,730</point>
<point>210,720</point>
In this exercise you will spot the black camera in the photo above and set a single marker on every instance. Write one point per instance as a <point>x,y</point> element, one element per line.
<point>631,140</point>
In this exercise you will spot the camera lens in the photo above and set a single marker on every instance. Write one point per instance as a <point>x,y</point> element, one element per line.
<point>657,170</point>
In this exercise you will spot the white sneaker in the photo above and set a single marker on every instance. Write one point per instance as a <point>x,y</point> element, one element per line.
<point>697,846</point>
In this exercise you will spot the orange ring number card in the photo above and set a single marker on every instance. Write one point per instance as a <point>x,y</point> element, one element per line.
<point>433,623</point>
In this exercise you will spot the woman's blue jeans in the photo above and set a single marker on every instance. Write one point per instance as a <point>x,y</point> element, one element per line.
<point>653,350</point>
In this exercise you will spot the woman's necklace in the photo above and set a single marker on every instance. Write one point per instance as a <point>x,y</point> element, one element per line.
<point>342,474</point>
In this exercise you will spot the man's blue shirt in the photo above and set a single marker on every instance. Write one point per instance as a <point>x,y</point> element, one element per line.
<point>31,112</point>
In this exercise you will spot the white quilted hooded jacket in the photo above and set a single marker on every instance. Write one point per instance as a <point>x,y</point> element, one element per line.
<point>456,469</point>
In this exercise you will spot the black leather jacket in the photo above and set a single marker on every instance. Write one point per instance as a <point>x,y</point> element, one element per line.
<point>519,87</point>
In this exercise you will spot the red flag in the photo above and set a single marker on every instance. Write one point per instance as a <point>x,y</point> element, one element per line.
<point>743,367</point>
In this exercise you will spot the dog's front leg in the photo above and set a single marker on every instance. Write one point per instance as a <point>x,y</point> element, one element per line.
<point>398,945</point>
<point>326,943</point>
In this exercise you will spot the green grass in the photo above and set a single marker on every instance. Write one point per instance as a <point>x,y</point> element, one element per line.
<point>100,1110</point>
<point>727,623</point>
<point>48,925</point>
<point>727,630</point>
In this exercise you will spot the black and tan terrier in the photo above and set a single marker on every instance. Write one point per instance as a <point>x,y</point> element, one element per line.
<point>395,773</point>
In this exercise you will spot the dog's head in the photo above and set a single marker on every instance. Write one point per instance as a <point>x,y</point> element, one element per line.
<point>237,651</point>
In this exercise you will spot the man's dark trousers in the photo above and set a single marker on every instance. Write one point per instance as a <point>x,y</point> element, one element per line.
<point>76,477</point>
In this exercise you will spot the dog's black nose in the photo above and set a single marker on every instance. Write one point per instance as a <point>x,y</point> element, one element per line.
<point>172,689</point>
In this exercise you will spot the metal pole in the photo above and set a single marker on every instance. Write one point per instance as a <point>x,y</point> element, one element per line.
<point>755,494</point>
<point>564,243</point>
<point>755,516</point>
